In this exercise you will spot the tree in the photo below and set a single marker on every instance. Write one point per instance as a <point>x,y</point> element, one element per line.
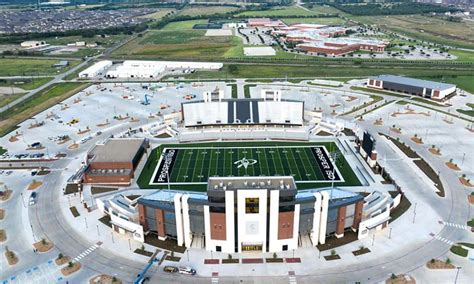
<point>60,255</point>
<point>333,252</point>
<point>70,264</point>
<point>229,256</point>
<point>233,69</point>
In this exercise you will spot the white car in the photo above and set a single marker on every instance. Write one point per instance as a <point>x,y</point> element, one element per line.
<point>85,139</point>
<point>187,270</point>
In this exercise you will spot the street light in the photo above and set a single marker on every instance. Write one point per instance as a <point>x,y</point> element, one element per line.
<point>23,200</point>
<point>457,273</point>
<point>414,213</point>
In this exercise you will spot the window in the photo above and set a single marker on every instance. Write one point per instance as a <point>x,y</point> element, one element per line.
<point>251,205</point>
<point>218,248</point>
<point>284,248</point>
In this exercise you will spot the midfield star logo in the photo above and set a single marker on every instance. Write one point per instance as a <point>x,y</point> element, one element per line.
<point>245,163</point>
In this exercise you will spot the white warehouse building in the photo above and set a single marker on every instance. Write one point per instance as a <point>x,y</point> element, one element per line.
<point>96,70</point>
<point>152,69</point>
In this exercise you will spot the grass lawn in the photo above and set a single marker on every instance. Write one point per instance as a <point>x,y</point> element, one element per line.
<point>463,55</point>
<point>25,84</point>
<point>369,90</point>
<point>321,21</point>
<point>106,41</point>
<point>307,71</point>
<point>234,90</point>
<point>183,25</point>
<point>426,28</point>
<point>6,99</point>
<point>278,11</point>
<point>100,190</point>
<point>426,101</point>
<point>206,10</point>
<point>23,66</point>
<point>325,9</point>
<point>159,15</point>
<point>464,82</point>
<point>467,112</point>
<point>181,44</point>
<point>247,90</point>
<point>192,167</point>
<point>458,250</point>
<point>41,101</point>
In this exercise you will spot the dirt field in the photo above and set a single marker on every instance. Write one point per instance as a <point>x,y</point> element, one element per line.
<point>180,44</point>
<point>427,28</point>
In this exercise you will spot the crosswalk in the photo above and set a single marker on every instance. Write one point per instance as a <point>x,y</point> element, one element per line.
<point>215,278</point>
<point>446,241</point>
<point>454,225</point>
<point>291,277</point>
<point>87,251</point>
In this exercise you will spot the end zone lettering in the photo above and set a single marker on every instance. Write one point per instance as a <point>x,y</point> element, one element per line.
<point>166,165</point>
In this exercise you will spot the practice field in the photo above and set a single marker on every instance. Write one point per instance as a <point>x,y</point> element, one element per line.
<point>192,165</point>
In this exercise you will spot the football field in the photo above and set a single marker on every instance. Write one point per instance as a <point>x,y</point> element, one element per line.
<point>194,165</point>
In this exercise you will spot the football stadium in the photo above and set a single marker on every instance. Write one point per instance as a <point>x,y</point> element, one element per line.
<point>310,164</point>
<point>247,174</point>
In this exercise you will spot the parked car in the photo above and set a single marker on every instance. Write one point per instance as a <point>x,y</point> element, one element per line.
<point>35,145</point>
<point>187,270</point>
<point>33,198</point>
<point>170,269</point>
<point>85,139</point>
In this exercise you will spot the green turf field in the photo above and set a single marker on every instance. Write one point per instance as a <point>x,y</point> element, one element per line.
<point>192,164</point>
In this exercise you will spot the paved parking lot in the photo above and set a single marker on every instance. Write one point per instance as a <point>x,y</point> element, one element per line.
<point>331,101</point>
<point>100,108</point>
<point>445,132</point>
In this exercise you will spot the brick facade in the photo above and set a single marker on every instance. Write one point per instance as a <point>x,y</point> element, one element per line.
<point>341,217</point>
<point>218,226</point>
<point>285,225</point>
<point>160,223</point>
